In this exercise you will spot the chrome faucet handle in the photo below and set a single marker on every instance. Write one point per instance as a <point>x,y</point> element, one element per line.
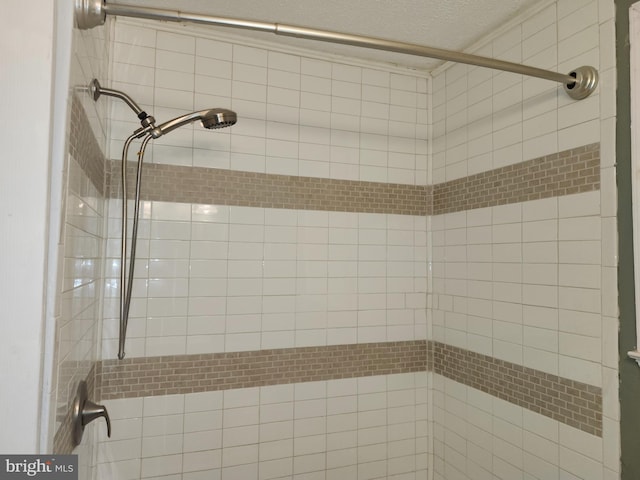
<point>85,412</point>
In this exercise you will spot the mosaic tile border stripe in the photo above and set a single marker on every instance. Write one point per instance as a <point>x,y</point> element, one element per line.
<point>172,183</point>
<point>84,148</point>
<point>148,376</point>
<point>565,173</point>
<point>573,403</point>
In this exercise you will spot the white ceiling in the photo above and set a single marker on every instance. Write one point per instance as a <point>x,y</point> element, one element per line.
<point>448,24</point>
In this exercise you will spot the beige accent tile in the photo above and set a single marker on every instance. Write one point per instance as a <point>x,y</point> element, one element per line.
<point>570,402</point>
<point>564,173</point>
<point>173,183</point>
<point>83,146</point>
<point>175,374</point>
<point>568,172</point>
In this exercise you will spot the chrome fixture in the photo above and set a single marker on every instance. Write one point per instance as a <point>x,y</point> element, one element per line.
<point>212,119</point>
<point>96,90</point>
<point>84,411</point>
<point>578,84</point>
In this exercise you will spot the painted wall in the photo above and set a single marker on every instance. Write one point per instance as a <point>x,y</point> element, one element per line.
<point>530,283</point>
<point>27,39</point>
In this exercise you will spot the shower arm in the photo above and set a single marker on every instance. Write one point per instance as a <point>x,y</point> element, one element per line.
<point>96,90</point>
<point>578,84</point>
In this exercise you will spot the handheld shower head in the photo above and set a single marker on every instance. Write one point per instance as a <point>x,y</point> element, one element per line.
<point>219,118</point>
<point>212,118</point>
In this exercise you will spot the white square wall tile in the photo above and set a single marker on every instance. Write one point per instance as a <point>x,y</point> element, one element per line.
<point>244,397</point>
<point>175,43</point>
<point>179,62</point>
<point>285,62</point>
<point>346,73</point>
<point>204,401</point>
<point>121,409</point>
<point>136,35</point>
<point>163,405</point>
<point>580,205</point>
<point>171,211</point>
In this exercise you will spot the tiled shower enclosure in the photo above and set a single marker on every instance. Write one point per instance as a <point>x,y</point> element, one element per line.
<point>377,273</point>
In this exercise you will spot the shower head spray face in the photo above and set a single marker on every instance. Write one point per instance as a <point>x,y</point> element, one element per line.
<point>213,118</point>
<point>219,118</point>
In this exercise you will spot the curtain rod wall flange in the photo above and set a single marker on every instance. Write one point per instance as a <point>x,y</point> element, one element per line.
<point>578,84</point>
<point>89,14</point>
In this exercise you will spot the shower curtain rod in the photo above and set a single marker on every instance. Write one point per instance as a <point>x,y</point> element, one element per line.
<point>578,84</point>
